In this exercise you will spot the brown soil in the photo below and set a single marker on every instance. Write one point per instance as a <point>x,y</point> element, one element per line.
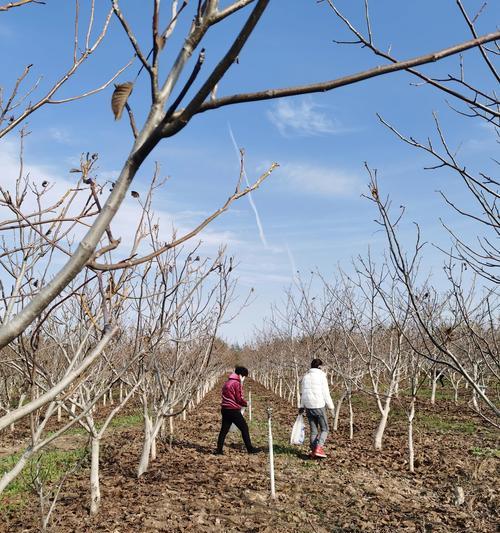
<point>355,489</point>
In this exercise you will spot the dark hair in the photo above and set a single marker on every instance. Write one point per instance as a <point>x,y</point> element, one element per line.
<point>241,371</point>
<point>316,363</point>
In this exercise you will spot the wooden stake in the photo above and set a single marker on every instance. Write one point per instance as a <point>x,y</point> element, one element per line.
<point>271,452</point>
<point>249,405</point>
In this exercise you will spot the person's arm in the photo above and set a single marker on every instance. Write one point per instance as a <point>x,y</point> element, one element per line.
<point>326,394</point>
<point>239,395</point>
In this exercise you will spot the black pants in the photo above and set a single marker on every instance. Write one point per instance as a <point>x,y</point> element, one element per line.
<point>233,416</point>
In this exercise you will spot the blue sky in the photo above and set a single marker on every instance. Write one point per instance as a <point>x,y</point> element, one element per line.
<point>311,209</point>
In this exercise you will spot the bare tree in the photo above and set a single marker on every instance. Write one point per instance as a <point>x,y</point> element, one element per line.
<point>471,314</point>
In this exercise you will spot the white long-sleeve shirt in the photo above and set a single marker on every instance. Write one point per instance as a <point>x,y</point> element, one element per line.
<point>314,392</point>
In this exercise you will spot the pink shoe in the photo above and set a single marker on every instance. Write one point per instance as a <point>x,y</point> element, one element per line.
<point>319,452</point>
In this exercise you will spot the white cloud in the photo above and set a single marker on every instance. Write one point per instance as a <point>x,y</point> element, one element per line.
<point>9,172</point>
<point>61,135</point>
<point>320,180</point>
<point>302,118</point>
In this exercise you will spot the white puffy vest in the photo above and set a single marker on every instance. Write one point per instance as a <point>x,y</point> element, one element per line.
<point>314,390</point>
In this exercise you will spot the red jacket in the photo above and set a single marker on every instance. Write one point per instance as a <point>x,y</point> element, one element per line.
<point>232,393</point>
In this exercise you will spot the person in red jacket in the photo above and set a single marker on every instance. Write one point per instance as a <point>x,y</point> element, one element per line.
<point>231,405</point>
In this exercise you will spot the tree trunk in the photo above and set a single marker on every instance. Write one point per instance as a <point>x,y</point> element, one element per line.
<point>379,434</point>
<point>95,490</point>
<point>153,448</point>
<point>337,412</point>
<point>351,416</point>
<point>146,446</point>
<point>433,389</point>
<point>474,400</point>
<point>171,429</point>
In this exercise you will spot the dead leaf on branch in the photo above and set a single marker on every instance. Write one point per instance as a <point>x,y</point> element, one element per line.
<point>120,97</point>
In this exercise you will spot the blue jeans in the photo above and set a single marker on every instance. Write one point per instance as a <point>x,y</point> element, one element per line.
<point>318,422</point>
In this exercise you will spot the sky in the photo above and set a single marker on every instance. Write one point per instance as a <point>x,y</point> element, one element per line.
<point>310,213</point>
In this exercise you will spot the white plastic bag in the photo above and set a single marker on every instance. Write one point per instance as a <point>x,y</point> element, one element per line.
<point>298,431</point>
<point>233,428</point>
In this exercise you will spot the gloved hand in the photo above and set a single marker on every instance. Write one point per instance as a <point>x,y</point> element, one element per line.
<point>301,410</point>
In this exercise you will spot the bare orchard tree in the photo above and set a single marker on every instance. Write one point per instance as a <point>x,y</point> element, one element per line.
<point>66,350</point>
<point>347,366</point>
<point>476,100</point>
<point>113,366</point>
<point>173,103</point>
<point>377,335</point>
<point>472,315</point>
<point>44,220</point>
<point>177,309</point>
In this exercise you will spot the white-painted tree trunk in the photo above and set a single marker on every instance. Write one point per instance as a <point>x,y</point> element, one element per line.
<point>474,400</point>
<point>95,490</point>
<point>433,390</point>
<point>153,448</point>
<point>171,428</point>
<point>146,446</point>
<point>379,433</point>
<point>337,412</point>
<point>351,416</point>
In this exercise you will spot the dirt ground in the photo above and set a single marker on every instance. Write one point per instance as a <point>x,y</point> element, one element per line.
<point>354,490</point>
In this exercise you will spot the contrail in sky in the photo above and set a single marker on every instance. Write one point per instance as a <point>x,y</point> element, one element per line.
<point>252,203</point>
<point>292,261</point>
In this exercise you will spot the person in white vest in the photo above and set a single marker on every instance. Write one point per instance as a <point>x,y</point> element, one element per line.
<point>314,399</point>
